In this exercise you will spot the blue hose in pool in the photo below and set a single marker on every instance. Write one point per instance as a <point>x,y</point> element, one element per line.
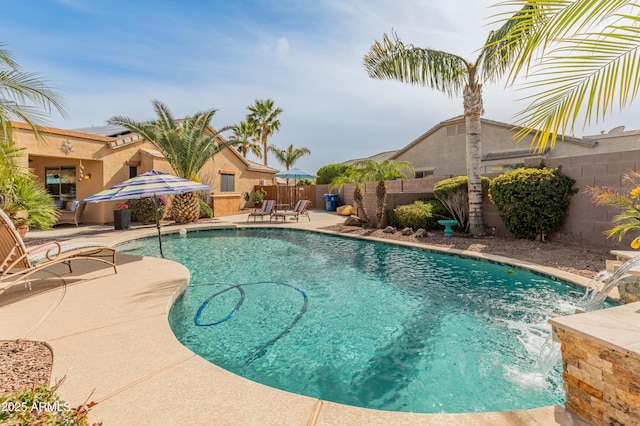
<point>261,350</point>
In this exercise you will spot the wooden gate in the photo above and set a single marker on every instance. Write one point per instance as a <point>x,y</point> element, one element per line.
<point>289,194</point>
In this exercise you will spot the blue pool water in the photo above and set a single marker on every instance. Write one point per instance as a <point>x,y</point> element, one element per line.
<point>368,324</point>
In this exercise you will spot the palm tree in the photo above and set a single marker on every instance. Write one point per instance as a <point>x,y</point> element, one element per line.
<point>245,137</point>
<point>380,172</point>
<point>24,96</point>
<point>581,58</point>
<point>451,74</point>
<point>288,157</point>
<point>358,179</point>
<point>265,117</point>
<point>186,144</point>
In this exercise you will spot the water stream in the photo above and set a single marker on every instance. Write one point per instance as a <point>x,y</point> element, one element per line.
<point>601,285</point>
<point>606,281</point>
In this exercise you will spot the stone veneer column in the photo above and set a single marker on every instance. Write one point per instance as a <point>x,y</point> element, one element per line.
<point>601,364</point>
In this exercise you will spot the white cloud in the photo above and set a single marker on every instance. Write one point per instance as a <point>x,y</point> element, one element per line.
<point>305,56</point>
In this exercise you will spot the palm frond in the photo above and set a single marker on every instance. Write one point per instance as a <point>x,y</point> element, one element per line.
<point>585,78</point>
<point>392,59</point>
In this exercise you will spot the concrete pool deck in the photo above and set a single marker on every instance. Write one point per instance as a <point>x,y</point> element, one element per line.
<point>112,343</point>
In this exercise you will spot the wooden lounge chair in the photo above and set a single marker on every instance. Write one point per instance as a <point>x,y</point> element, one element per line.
<point>300,209</point>
<point>17,261</point>
<point>267,209</point>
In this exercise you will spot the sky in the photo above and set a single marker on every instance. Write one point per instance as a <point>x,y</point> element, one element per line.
<point>113,57</point>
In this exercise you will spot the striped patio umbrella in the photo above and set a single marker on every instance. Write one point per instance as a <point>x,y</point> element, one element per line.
<point>150,184</point>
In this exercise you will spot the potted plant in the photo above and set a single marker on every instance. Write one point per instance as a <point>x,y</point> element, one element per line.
<point>25,201</point>
<point>258,197</point>
<point>20,219</point>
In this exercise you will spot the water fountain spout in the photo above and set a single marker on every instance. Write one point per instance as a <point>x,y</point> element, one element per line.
<point>606,281</point>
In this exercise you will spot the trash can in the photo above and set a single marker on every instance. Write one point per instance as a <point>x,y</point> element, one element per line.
<point>330,201</point>
<point>122,219</point>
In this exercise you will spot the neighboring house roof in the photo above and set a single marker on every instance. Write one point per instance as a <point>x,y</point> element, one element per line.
<point>386,155</point>
<point>252,165</point>
<point>460,118</point>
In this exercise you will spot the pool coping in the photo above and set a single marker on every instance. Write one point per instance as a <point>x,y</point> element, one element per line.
<point>111,333</point>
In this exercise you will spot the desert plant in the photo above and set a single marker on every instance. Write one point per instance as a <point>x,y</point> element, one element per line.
<point>205,209</point>
<point>453,75</point>
<point>380,172</point>
<point>288,157</point>
<point>258,196</point>
<point>327,173</point>
<point>40,405</point>
<point>21,191</point>
<point>264,116</point>
<point>186,144</point>
<point>358,178</point>
<point>142,209</point>
<point>453,193</point>
<point>419,214</point>
<point>532,202</point>
<point>628,204</point>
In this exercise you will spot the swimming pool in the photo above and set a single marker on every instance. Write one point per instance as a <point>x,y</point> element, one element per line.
<point>367,324</point>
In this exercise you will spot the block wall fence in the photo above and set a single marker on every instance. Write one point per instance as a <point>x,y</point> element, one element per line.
<point>585,222</point>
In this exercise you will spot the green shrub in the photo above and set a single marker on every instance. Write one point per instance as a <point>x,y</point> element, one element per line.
<point>142,209</point>
<point>532,202</point>
<point>205,209</point>
<point>453,193</point>
<point>41,406</point>
<point>419,214</point>
<point>328,172</point>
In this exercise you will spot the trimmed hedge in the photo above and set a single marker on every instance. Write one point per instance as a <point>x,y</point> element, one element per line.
<point>453,193</point>
<point>327,173</point>
<point>419,214</point>
<point>532,202</point>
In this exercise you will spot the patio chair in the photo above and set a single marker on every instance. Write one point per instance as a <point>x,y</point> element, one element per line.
<point>17,261</point>
<point>300,209</point>
<point>267,209</point>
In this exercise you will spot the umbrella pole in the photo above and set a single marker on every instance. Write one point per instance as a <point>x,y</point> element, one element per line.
<point>155,207</point>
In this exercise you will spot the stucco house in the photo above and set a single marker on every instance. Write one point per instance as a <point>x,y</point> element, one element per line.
<point>74,164</point>
<point>441,150</point>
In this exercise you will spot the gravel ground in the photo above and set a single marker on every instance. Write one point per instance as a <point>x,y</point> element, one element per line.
<point>582,260</point>
<point>25,363</point>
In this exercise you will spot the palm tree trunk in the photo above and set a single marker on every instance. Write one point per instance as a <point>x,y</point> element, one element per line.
<point>381,199</point>
<point>358,198</point>
<point>185,208</point>
<point>264,142</point>
<point>472,111</point>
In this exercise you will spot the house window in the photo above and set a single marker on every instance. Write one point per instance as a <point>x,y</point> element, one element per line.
<point>61,182</point>
<point>227,182</point>
<point>133,171</point>
<point>502,168</point>
<point>423,173</point>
